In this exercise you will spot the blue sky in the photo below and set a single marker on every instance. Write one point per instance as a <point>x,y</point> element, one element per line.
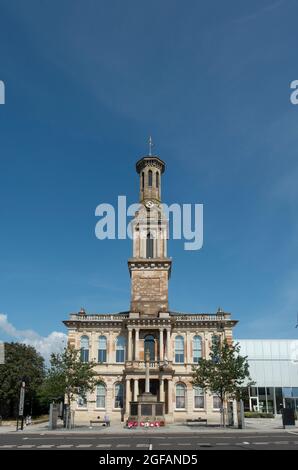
<point>86,83</point>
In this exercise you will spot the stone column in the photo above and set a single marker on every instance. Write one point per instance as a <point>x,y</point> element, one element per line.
<point>136,389</point>
<point>147,374</point>
<point>161,344</point>
<point>137,344</point>
<point>162,390</point>
<point>127,396</point>
<point>188,358</point>
<point>170,396</point>
<point>129,345</point>
<point>169,355</point>
<point>93,341</point>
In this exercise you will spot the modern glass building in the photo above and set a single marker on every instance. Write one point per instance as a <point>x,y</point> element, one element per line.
<point>274,369</point>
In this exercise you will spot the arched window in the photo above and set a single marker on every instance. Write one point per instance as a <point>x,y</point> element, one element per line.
<point>157,179</point>
<point>150,178</point>
<point>84,348</point>
<point>149,246</point>
<point>179,349</point>
<point>199,399</point>
<point>120,349</point>
<point>180,396</point>
<point>118,395</point>
<point>149,346</point>
<point>102,349</point>
<point>197,348</point>
<point>100,396</point>
<point>143,180</point>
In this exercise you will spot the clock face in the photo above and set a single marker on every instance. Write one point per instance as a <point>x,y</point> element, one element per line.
<point>149,204</point>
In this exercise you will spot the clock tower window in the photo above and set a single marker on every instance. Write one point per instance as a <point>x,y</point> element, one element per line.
<point>149,246</point>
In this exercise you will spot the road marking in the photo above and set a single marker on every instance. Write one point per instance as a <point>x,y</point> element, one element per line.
<point>45,446</point>
<point>64,446</point>
<point>142,445</point>
<point>183,443</point>
<point>122,445</point>
<point>281,442</point>
<point>260,443</point>
<point>7,446</point>
<point>104,446</point>
<point>245,442</point>
<point>150,446</point>
<point>167,444</point>
<point>83,445</point>
<point>26,446</point>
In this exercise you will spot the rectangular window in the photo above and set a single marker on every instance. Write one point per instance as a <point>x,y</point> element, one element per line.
<point>216,402</point>
<point>199,401</point>
<point>102,355</point>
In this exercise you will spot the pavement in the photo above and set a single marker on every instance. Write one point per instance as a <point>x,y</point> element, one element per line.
<point>252,425</point>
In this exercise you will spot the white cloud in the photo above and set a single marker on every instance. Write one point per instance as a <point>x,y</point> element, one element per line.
<point>45,345</point>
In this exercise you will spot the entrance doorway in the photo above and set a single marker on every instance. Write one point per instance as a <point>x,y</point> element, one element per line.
<point>154,386</point>
<point>254,403</point>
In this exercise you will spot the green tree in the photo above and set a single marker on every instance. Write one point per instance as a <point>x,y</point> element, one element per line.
<point>68,377</point>
<point>224,373</point>
<point>22,362</point>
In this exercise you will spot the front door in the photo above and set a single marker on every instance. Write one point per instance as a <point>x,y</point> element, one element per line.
<point>254,403</point>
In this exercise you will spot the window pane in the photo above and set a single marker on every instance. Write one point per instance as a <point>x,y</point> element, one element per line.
<point>216,402</point>
<point>82,400</point>
<point>179,349</point>
<point>102,355</point>
<point>120,349</point>
<point>180,396</point>
<point>199,397</point>
<point>85,342</point>
<point>197,348</point>
<point>120,356</point>
<point>84,355</point>
<point>100,396</point>
<point>102,342</point>
<point>119,395</point>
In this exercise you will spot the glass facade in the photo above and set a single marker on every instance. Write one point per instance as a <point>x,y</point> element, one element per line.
<point>273,366</point>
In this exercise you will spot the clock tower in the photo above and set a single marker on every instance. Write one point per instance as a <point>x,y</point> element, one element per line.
<point>149,266</point>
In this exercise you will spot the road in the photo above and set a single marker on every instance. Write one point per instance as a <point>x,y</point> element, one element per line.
<point>160,442</point>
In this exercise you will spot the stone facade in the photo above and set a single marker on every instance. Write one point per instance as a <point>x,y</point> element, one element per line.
<point>175,341</point>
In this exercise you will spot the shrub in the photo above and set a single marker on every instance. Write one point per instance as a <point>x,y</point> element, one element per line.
<point>258,414</point>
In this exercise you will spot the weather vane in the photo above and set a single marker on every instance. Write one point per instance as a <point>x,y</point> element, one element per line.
<point>151,145</point>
